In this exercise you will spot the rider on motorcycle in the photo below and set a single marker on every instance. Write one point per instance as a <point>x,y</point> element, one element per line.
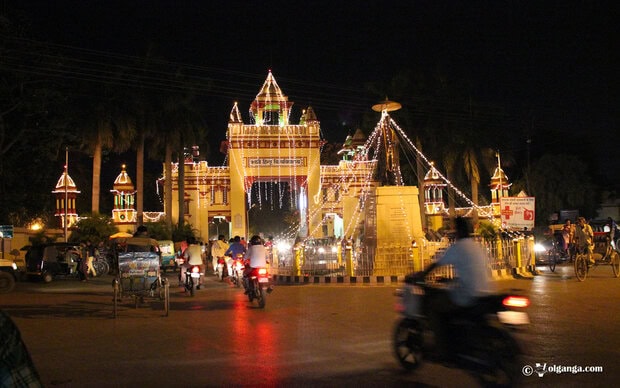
<point>192,256</point>
<point>218,251</point>
<point>468,260</point>
<point>256,257</point>
<point>235,250</point>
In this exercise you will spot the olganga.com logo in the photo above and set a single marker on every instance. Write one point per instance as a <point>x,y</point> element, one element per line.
<point>540,369</point>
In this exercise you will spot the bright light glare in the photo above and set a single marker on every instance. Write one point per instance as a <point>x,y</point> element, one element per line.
<point>283,246</point>
<point>538,247</point>
<point>334,249</point>
<point>321,250</point>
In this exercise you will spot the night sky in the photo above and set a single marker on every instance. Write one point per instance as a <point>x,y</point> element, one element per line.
<point>547,63</point>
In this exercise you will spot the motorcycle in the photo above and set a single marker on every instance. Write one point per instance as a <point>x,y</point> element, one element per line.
<point>237,271</point>
<point>192,273</point>
<point>221,267</point>
<point>258,286</point>
<point>483,344</point>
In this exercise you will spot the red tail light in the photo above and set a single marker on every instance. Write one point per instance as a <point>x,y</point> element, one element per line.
<point>516,301</point>
<point>181,261</point>
<point>262,272</point>
<point>195,269</point>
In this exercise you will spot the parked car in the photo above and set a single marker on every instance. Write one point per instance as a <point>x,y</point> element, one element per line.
<point>8,275</point>
<point>48,261</point>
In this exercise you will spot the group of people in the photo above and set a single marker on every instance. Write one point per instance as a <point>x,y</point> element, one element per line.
<point>579,237</point>
<point>255,253</point>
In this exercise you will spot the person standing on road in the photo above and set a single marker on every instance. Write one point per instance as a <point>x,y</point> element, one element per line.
<point>584,239</point>
<point>90,257</point>
<point>218,251</point>
<point>568,233</point>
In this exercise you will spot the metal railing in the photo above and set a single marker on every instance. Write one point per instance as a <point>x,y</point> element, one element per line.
<point>400,260</point>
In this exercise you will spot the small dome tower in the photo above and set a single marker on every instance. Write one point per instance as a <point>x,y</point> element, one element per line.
<point>124,212</point>
<point>66,192</point>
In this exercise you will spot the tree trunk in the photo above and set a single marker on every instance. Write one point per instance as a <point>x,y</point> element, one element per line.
<point>96,176</point>
<point>168,185</point>
<point>181,185</point>
<point>140,178</point>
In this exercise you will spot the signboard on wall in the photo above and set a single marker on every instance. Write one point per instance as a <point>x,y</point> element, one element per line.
<point>518,212</point>
<point>6,231</point>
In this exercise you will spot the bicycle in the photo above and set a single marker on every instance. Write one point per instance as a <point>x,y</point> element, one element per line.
<point>553,256</point>
<point>556,255</point>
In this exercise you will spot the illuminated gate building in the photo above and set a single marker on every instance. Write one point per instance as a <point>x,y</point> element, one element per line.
<point>331,201</point>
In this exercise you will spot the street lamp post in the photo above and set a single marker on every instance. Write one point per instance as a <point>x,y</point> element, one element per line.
<point>247,221</point>
<point>66,189</point>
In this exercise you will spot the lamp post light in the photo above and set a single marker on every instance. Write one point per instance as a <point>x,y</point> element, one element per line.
<point>247,221</point>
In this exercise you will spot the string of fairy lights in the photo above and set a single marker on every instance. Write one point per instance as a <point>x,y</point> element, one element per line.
<point>458,192</point>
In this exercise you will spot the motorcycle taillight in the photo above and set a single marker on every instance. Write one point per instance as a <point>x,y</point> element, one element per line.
<point>262,272</point>
<point>516,301</point>
<point>195,269</point>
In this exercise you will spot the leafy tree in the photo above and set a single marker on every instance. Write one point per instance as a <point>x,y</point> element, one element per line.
<point>159,230</point>
<point>182,233</point>
<point>94,227</point>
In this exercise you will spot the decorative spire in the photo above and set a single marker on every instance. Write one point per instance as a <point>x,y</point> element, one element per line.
<point>271,106</point>
<point>235,115</point>
<point>123,181</point>
<point>65,181</point>
<point>432,177</point>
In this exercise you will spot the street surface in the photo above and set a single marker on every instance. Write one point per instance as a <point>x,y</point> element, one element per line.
<point>308,335</point>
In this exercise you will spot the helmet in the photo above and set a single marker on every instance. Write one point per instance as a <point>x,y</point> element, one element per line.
<point>256,240</point>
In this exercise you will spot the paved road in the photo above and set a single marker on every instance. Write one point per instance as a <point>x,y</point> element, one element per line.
<point>306,336</point>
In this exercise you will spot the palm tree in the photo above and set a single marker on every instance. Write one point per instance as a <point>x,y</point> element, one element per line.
<point>180,124</point>
<point>109,128</point>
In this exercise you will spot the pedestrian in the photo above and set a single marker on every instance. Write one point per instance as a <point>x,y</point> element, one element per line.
<point>142,231</point>
<point>83,263</point>
<point>613,229</point>
<point>568,232</point>
<point>90,257</point>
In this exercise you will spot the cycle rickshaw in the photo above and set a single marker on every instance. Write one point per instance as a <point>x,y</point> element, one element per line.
<point>139,274</point>
<point>603,254</point>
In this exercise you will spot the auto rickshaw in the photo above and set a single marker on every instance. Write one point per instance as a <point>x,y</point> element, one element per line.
<point>168,255</point>
<point>48,261</point>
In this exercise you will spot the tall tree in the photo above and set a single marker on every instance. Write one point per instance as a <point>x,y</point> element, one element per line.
<point>180,125</point>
